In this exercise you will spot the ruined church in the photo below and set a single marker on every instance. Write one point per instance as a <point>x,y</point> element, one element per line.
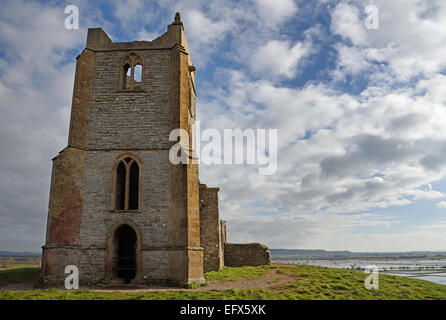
<point>118,208</point>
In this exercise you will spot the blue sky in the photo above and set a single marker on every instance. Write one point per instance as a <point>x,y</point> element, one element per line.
<point>361,114</point>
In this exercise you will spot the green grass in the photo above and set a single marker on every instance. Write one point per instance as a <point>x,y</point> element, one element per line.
<point>306,282</point>
<point>19,275</point>
<point>229,274</point>
<point>330,283</point>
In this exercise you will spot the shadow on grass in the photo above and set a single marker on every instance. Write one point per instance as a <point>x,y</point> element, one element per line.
<point>19,275</point>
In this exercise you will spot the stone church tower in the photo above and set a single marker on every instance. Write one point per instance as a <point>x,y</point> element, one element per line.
<point>119,209</point>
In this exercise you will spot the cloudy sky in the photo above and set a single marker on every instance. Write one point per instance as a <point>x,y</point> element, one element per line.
<point>360,113</point>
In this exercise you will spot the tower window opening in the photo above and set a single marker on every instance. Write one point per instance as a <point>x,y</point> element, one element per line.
<point>138,73</point>
<point>132,72</point>
<point>127,185</point>
<point>120,186</point>
<point>133,186</point>
<point>126,76</point>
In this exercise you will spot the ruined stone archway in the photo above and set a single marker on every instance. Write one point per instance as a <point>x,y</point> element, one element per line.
<point>123,259</point>
<point>124,253</point>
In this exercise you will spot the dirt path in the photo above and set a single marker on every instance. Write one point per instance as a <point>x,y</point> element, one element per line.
<point>270,280</point>
<point>19,286</point>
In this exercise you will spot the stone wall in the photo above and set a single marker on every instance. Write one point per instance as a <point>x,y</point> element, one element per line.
<point>222,241</point>
<point>110,125</point>
<point>151,221</point>
<point>66,199</point>
<point>80,109</point>
<point>210,228</point>
<point>246,254</point>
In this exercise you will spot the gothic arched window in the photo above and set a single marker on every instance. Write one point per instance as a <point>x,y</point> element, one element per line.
<point>132,72</point>
<point>126,185</point>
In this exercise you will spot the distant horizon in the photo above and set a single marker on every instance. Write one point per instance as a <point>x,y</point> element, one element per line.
<point>410,251</point>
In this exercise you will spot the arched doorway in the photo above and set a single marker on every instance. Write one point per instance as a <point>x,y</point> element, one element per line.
<point>124,253</point>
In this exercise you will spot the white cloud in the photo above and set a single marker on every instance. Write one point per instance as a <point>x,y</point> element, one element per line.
<point>351,60</point>
<point>128,13</point>
<point>279,58</point>
<point>345,21</point>
<point>370,151</point>
<point>203,30</point>
<point>145,35</point>
<point>410,39</point>
<point>275,12</point>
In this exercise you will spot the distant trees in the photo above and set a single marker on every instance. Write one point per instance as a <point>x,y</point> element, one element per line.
<point>36,261</point>
<point>8,263</point>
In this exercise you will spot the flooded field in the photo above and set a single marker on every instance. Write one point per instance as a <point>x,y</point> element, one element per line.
<point>433,270</point>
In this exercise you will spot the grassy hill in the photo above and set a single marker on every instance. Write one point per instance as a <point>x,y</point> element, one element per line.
<point>262,282</point>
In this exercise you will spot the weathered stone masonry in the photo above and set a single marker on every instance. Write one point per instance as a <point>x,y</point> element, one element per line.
<point>212,239</point>
<point>173,234</point>
<point>242,254</point>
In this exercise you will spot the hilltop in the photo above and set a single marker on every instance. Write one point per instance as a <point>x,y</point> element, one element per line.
<point>275,281</point>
